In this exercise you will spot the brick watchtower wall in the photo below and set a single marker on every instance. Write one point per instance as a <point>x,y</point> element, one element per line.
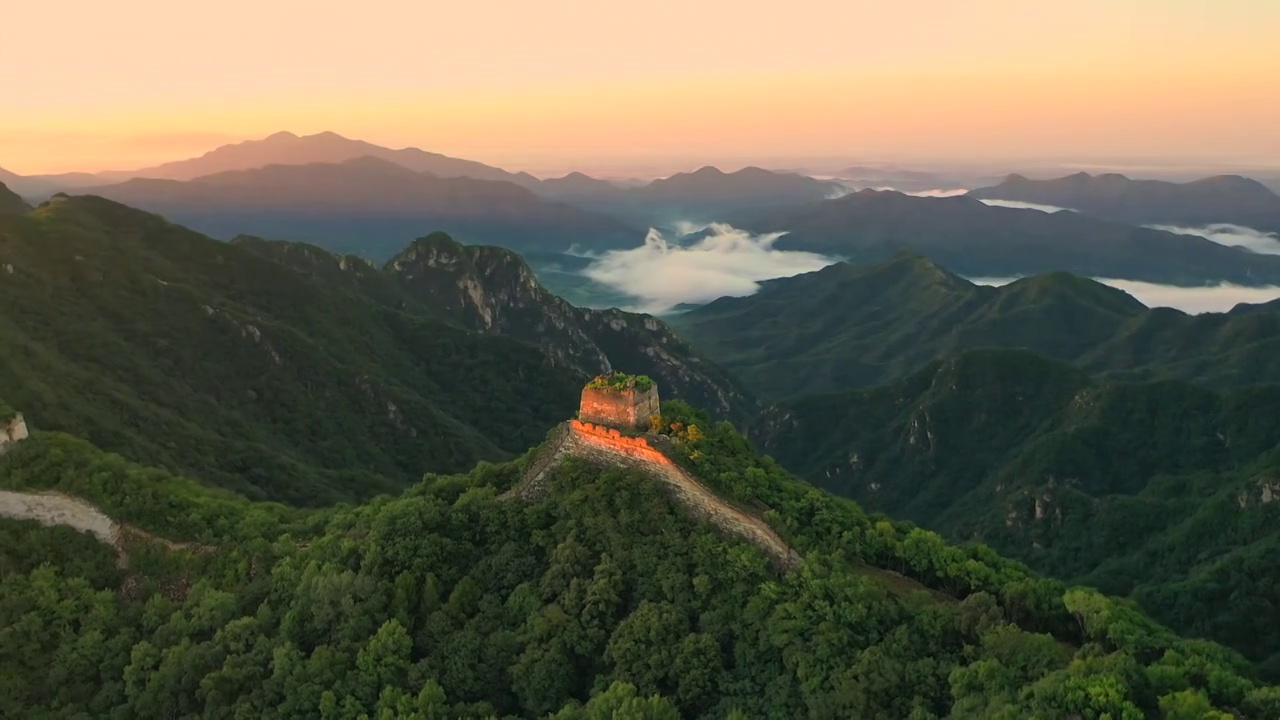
<point>624,409</point>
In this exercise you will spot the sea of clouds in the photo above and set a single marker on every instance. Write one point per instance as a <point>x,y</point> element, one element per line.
<point>1194,300</point>
<point>665,273</point>
<point>1228,234</point>
<point>725,261</point>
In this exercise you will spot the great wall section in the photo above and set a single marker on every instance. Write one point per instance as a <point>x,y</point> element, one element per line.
<point>591,441</point>
<point>51,509</point>
<point>609,446</point>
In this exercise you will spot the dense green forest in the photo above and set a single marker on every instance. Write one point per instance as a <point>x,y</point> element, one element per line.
<point>604,601</point>
<point>852,326</point>
<point>1162,491</point>
<point>282,371</point>
<point>278,404</point>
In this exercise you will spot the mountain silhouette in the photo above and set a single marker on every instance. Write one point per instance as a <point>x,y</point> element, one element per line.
<point>368,206</point>
<point>1219,199</point>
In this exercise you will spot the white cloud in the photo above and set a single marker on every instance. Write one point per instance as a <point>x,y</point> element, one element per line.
<point>727,262</point>
<point>684,227</point>
<point>837,191</point>
<point>936,192</point>
<point>1228,234</point>
<point>1194,300</point>
<point>952,192</point>
<point>1025,205</point>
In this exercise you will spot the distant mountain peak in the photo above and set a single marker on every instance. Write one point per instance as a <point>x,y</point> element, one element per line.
<point>1219,199</point>
<point>287,148</point>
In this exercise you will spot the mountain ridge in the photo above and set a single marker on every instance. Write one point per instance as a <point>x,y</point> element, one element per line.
<point>1160,490</point>
<point>605,599</point>
<point>367,206</point>
<point>977,240</point>
<point>335,382</point>
<point>1218,199</point>
<point>11,203</point>
<point>286,148</point>
<point>848,326</point>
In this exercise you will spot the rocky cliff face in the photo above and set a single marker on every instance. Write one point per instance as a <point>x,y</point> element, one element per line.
<point>492,290</point>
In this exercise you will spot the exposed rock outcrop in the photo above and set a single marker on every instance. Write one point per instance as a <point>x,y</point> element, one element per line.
<point>493,290</point>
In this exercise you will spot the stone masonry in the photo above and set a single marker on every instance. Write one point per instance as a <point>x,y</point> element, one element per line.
<point>626,409</point>
<point>608,446</point>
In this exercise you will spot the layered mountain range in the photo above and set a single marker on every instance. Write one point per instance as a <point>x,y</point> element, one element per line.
<point>218,406</point>
<point>1219,199</point>
<point>974,239</point>
<point>848,326</point>
<point>284,371</point>
<point>367,206</point>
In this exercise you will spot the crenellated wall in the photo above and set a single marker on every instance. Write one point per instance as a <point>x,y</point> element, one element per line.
<point>608,446</point>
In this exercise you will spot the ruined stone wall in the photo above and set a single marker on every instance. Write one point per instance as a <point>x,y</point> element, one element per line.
<point>618,408</point>
<point>608,446</point>
<point>12,432</point>
<point>51,508</point>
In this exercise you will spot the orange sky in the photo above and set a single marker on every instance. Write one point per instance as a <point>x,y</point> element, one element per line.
<point>91,85</point>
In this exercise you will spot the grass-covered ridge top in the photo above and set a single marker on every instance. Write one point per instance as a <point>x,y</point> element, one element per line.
<point>621,381</point>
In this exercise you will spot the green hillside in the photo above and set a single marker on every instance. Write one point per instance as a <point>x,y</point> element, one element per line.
<point>1161,491</point>
<point>603,601</point>
<point>305,385</point>
<point>852,326</point>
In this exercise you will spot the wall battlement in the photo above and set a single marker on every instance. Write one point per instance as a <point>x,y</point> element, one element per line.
<point>608,446</point>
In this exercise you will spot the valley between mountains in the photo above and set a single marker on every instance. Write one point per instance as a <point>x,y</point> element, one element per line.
<point>919,497</point>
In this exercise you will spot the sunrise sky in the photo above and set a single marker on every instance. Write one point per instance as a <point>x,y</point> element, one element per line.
<point>91,85</point>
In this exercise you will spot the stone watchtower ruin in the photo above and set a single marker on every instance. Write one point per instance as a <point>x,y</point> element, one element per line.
<point>619,400</point>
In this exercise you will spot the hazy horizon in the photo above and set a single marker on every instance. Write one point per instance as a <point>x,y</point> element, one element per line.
<point>125,85</point>
<point>652,167</point>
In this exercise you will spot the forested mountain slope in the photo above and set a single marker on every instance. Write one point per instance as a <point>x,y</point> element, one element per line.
<point>211,358</point>
<point>603,600</point>
<point>850,326</point>
<point>491,290</point>
<point>1163,491</point>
